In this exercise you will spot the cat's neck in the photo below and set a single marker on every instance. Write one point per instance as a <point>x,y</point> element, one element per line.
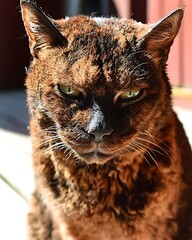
<point>115,187</point>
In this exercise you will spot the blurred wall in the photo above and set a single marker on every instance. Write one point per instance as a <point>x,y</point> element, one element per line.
<point>13,57</point>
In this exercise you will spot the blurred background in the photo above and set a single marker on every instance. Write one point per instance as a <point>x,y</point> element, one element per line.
<point>15,149</point>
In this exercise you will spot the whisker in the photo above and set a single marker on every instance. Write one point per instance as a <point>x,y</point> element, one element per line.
<point>134,53</point>
<point>142,146</point>
<point>137,150</point>
<point>156,145</point>
<point>132,72</point>
<point>158,139</point>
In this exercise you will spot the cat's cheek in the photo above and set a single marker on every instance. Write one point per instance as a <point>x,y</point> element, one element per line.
<point>142,116</point>
<point>42,119</point>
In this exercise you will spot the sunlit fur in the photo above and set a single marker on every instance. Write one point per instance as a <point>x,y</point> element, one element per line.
<point>106,166</point>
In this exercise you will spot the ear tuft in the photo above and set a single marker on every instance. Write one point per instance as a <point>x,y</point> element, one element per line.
<point>42,32</point>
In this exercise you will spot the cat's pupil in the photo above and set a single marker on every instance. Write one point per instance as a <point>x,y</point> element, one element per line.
<point>131,94</point>
<point>69,90</point>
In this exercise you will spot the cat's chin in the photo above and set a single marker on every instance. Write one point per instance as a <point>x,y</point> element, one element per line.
<point>95,157</point>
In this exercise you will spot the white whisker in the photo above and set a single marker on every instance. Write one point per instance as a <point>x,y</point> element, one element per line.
<point>144,148</point>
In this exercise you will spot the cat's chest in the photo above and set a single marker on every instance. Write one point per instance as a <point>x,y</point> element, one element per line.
<point>95,228</point>
<point>108,227</point>
<point>82,222</point>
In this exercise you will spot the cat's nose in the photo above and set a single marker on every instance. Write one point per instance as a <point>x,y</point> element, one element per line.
<point>100,134</point>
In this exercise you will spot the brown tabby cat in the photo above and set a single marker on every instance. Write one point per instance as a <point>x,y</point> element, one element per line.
<point>111,159</point>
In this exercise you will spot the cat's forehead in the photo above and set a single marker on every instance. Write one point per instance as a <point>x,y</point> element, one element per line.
<point>81,25</point>
<point>101,49</point>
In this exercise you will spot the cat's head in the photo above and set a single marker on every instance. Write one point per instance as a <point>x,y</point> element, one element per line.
<point>98,84</point>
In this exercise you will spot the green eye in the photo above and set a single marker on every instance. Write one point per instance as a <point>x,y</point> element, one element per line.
<point>70,92</point>
<point>129,94</point>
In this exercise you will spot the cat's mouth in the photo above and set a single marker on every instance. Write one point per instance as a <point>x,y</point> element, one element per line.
<point>95,157</point>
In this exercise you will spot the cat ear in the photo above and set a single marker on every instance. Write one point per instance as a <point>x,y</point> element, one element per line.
<point>42,32</point>
<point>161,35</point>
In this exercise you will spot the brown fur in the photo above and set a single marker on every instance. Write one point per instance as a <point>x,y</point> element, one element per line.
<point>135,182</point>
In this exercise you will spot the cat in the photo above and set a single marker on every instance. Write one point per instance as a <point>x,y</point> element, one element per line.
<point>111,159</point>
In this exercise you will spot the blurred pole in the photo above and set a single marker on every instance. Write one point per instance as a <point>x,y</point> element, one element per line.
<point>139,10</point>
<point>105,7</point>
<point>73,7</point>
<point>123,8</point>
<point>55,9</point>
<point>14,54</point>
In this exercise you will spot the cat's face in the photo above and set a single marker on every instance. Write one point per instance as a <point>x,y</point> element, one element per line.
<point>99,85</point>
